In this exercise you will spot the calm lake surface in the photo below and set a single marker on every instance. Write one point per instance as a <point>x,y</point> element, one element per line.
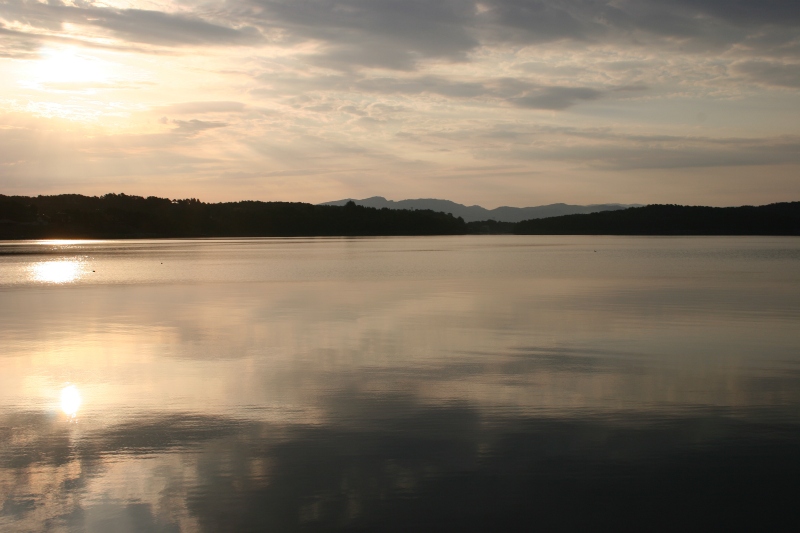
<point>472,383</point>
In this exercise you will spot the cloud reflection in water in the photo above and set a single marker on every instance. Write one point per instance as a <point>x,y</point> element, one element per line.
<point>404,465</point>
<point>470,388</point>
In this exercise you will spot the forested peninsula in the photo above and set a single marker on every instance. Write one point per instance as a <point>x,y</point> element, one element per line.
<point>773,219</point>
<point>124,216</point>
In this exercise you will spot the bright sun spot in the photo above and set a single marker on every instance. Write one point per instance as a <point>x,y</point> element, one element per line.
<point>56,271</point>
<point>69,66</point>
<point>70,400</point>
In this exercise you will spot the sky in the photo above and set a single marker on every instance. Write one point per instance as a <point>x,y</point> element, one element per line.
<point>490,102</point>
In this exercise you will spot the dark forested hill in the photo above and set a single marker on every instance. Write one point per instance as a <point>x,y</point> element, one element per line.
<point>773,219</point>
<point>123,216</point>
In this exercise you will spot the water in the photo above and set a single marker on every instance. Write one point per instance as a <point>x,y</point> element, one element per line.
<point>470,383</point>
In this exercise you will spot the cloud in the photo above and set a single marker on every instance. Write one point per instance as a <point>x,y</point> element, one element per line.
<point>678,157</point>
<point>500,91</point>
<point>130,25</point>
<point>47,153</point>
<point>400,34</point>
<point>743,12</point>
<point>424,84</point>
<point>154,27</point>
<point>371,88</point>
<point>190,108</point>
<point>618,150</point>
<point>632,152</point>
<point>546,20</point>
<point>15,44</point>
<point>377,33</point>
<point>686,25</point>
<point>195,126</point>
<point>557,98</point>
<point>518,92</point>
<point>770,73</point>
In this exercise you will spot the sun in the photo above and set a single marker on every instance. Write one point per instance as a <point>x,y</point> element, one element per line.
<point>69,66</point>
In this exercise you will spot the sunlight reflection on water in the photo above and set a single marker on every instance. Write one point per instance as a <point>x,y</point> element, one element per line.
<point>61,242</point>
<point>70,400</point>
<point>56,271</point>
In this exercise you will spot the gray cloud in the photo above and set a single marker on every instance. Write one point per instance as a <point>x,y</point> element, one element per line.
<point>133,25</point>
<point>557,97</point>
<point>677,157</point>
<point>547,20</point>
<point>379,33</point>
<point>154,27</point>
<point>201,107</point>
<point>398,34</point>
<point>517,92</point>
<point>632,152</point>
<point>609,149</point>
<point>423,84</point>
<point>770,72</point>
<point>744,12</point>
<point>592,19</point>
<point>195,126</point>
<point>15,44</point>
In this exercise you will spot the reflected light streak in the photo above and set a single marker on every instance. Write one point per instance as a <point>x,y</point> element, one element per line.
<point>64,242</point>
<point>70,400</point>
<point>56,271</point>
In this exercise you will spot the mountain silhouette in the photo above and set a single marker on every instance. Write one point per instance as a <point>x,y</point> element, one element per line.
<point>474,213</point>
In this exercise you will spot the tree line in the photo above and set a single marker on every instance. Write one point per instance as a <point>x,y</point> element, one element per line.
<point>773,219</point>
<point>126,216</point>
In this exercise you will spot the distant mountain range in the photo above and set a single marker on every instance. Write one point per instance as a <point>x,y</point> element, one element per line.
<point>473,213</point>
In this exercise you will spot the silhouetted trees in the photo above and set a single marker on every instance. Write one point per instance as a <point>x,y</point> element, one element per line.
<point>773,219</point>
<point>124,216</point>
<point>491,227</point>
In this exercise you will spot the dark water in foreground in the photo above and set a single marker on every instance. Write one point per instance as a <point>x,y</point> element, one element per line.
<point>402,384</point>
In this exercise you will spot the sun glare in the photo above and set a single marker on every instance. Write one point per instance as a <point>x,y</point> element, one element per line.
<point>65,66</point>
<point>56,271</point>
<point>70,400</point>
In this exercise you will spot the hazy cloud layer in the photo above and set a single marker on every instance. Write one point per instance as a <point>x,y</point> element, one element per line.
<point>320,99</point>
